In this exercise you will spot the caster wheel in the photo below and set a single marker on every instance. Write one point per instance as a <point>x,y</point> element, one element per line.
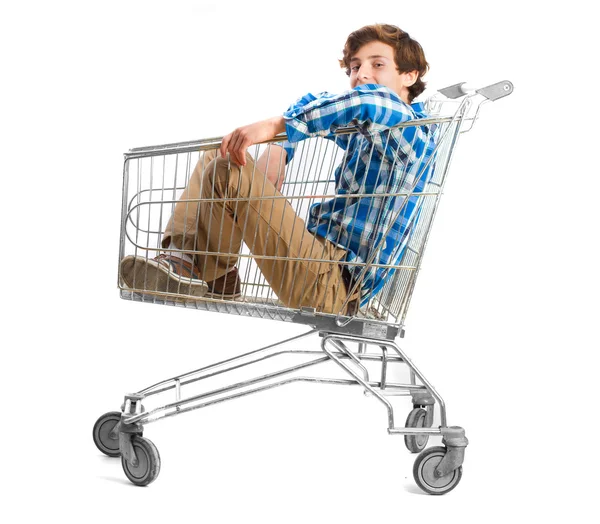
<point>416,419</point>
<point>149,462</point>
<point>102,428</point>
<point>424,472</point>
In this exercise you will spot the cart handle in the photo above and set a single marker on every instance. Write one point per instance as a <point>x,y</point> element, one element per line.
<point>491,92</point>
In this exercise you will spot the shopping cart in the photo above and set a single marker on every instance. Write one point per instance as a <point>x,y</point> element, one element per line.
<point>355,339</point>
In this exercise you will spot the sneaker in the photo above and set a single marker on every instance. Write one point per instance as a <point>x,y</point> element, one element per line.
<point>227,287</point>
<point>162,274</point>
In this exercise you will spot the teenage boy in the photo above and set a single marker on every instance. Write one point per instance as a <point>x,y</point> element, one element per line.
<point>340,254</point>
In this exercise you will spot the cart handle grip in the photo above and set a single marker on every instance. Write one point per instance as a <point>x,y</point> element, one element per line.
<point>491,92</point>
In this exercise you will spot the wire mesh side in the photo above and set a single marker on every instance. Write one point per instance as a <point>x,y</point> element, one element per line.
<point>155,183</point>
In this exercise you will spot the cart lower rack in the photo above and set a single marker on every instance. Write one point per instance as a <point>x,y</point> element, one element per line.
<point>203,233</point>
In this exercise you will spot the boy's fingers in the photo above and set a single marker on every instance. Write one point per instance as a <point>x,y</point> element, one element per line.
<point>235,141</point>
<point>232,146</point>
<point>224,144</point>
<point>241,156</point>
<point>238,148</point>
<point>243,147</point>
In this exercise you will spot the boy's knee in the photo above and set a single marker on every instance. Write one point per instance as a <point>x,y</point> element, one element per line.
<point>226,177</point>
<point>216,175</point>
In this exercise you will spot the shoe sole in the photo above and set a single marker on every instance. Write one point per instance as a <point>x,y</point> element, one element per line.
<point>147,275</point>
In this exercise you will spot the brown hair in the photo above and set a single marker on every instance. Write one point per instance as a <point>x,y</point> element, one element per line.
<point>408,53</point>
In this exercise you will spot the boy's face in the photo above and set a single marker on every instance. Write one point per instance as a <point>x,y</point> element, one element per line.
<point>374,63</point>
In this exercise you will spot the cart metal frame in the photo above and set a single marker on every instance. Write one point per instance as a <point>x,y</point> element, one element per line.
<point>349,342</point>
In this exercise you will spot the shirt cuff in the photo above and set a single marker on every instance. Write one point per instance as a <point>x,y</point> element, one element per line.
<point>296,130</point>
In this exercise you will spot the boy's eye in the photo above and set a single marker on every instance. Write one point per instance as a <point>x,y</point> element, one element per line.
<point>354,68</point>
<point>378,64</point>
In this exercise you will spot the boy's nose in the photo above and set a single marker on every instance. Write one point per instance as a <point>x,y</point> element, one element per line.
<point>364,72</point>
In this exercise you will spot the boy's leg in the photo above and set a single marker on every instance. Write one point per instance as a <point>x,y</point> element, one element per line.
<point>197,224</point>
<point>302,269</point>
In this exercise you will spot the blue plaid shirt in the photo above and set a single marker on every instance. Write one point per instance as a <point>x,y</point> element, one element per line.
<point>378,161</point>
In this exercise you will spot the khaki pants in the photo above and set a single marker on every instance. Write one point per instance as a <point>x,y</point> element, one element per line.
<point>244,206</point>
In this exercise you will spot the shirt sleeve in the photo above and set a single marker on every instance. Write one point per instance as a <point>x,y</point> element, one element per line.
<point>289,149</point>
<point>371,108</point>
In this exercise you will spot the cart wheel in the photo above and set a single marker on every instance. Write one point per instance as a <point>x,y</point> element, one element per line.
<point>102,428</point>
<point>149,462</point>
<point>416,419</point>
<point>424,472</point>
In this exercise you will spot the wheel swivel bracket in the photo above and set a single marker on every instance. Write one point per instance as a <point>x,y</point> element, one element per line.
<point>455,441</point>
<point>131,406</point>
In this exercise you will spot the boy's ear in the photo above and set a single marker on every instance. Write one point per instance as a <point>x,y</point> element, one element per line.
<point>410,78</point>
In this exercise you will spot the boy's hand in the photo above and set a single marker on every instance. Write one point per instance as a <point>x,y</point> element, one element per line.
<point>237,143</point>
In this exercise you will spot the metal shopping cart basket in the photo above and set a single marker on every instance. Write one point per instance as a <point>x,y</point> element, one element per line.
<point>353,340</point>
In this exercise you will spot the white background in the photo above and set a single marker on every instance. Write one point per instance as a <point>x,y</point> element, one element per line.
<point>502,317</point>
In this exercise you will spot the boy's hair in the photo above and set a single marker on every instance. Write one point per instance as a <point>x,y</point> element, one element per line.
<point>408,53</point>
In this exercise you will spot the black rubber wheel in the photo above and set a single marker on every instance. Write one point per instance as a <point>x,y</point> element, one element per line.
<point>424,468</point>
<point>416,419</point>
<point>102,428</point>
<point>149,462</point>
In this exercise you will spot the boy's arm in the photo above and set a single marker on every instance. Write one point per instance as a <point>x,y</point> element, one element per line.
<point>372,108</point>
<point>238,142</point>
